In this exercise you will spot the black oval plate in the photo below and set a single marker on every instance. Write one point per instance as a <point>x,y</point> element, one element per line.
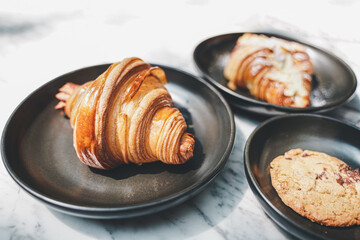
<point>307,131</point>
<point>37,150</point>
<point>333,80</point>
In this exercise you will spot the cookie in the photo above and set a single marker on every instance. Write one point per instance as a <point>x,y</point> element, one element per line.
<point>318,186</point>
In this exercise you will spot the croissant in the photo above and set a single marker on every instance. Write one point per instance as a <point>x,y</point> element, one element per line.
<point>274,70</point>
<point>124,116</point>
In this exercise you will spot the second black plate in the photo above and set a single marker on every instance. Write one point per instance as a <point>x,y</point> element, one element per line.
<point>333,81</point>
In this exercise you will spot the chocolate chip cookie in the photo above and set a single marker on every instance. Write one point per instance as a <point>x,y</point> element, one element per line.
<point>318,186</point>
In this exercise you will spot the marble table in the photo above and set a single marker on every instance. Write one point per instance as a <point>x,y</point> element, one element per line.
<point>40,40</point>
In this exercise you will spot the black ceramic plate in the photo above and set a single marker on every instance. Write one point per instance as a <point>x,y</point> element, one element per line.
<point>37,150</point>
<point>313,132</point>
<point>333,81</point>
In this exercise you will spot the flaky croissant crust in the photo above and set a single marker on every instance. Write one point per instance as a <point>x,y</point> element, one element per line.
<point>126,116</point>
<point>273,69</point>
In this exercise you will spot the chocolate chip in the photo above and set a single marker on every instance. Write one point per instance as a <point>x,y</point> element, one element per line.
<point>354,174</point>
<point>340,180</point>
<point>323,174</point>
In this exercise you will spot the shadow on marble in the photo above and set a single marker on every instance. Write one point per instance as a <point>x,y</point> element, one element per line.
<point>286,234</point>
<point>14,28</point>
<point>8,27</point>
<point>250,117</point>
<point>197,215</point>
<point>348,112</point>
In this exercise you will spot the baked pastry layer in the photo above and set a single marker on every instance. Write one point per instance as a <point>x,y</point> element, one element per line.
<point>274,70</point>
<point>126,115</point>
<point>318,186</point>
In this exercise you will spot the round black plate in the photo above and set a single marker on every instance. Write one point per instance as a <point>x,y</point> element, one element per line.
<point>37,150</point>
<point>333,81</point>
<point>280,134</point>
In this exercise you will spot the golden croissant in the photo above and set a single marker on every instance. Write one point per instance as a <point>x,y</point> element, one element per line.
<point>126,116</point>
<point>274,70</point>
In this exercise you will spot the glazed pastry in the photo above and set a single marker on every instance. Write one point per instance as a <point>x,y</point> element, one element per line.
<point>274,70</point>
<point>126,116</point>
<point>318,186</point>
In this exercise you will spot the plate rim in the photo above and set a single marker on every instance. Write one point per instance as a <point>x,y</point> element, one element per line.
<point>264,104</point>
<point>168,199</point>
<point>252,180</point>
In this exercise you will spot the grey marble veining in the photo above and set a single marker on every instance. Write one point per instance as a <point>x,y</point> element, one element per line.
<point>40,40</point>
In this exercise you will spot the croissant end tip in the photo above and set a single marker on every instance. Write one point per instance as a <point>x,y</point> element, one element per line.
<point>64,94</point>
<point>187,146</point>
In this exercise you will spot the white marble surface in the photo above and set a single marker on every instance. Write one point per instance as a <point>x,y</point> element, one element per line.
<point>40,40</point>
